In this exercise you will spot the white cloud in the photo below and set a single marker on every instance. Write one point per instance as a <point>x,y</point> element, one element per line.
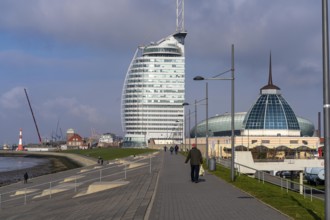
<point>72,107</point>
<point>13,98</point>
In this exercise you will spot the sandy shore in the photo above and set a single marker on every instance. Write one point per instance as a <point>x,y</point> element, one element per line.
<point>52,164</point>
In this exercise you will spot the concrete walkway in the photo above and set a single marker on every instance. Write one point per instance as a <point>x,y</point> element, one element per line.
<point>101,200</point>
<point>177,197</point>
<point>164,193</point>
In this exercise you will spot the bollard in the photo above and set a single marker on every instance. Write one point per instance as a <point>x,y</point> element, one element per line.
<point>212,164</point>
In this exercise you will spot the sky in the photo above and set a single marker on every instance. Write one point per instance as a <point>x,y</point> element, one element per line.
<point>72,56</point>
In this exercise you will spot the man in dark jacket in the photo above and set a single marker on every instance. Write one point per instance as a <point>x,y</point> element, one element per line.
<point>196,159</point>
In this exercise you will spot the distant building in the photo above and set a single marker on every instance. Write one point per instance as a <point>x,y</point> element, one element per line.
<point>106,138</point>
<point>154,91</point>
<point>75,141</point>
<point>270,129</point>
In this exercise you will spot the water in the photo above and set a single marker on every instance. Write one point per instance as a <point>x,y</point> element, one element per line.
<point>18,163</point>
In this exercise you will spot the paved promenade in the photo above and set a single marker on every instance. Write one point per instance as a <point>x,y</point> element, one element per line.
<point>164,193</point>
<point>179,198</point>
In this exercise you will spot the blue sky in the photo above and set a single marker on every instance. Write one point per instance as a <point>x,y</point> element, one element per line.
<point>72,57</point>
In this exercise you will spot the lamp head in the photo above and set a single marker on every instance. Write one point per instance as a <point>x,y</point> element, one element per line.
<point>185,103</point>
<point>199,78</point>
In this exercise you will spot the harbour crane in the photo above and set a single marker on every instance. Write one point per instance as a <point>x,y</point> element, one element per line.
<point>35,122</point>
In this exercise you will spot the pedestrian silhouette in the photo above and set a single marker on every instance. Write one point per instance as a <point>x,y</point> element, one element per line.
<point>176,148</point>
<point>26,177</point>
<point>171,149</point>
<point>195,157</point>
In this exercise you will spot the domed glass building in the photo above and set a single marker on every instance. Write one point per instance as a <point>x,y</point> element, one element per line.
<point>220,126</point>
<point>270,115</point>
<point>270,129</point>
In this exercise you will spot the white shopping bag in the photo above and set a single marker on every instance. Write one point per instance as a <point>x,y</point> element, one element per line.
<point>201,171</point>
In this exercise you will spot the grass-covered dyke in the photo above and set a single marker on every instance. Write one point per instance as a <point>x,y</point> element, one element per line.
<point>292,204</point>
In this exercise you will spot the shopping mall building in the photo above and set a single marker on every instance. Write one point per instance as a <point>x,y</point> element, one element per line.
<point>270,129</point>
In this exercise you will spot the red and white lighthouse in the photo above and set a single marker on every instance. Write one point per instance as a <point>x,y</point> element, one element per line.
<point>20,143</point>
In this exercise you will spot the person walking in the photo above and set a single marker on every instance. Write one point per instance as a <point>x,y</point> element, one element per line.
<point>176,149</point>
<point>171,149</point>
<point>196,159</point>
<point>26,177</point>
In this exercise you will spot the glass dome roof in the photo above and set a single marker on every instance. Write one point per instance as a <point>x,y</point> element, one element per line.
<point>271,111</point>
<point>220,125</point>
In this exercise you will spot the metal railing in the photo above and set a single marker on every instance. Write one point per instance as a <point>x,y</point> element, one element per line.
<point>283,183</point>
<point>114,171</point>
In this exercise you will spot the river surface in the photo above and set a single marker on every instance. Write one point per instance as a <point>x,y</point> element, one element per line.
<point>19,163</point>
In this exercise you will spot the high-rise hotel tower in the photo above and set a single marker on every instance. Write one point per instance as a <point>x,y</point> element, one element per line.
<point>154,90</point>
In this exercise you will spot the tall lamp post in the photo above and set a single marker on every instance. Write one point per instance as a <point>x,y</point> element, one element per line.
<point>189,114</point>
<point>326,104</point>
<point>232,70</point>
<point>195,104</point>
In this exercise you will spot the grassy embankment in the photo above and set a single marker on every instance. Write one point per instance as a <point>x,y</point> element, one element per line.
<point>291,203</point>
<point>110,153</point>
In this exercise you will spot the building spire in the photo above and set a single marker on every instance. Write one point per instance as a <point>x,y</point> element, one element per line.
<point>270,84</point>
<point>270,77</point>
<point>179,15</point>
<point>180,31</point>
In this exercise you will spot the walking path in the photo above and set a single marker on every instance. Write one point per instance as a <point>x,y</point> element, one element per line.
<point>164,193</point>
<point>177,197</point>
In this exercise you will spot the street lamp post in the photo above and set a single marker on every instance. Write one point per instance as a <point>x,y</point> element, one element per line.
<point>189,129</point>
<point>326,104</point>
<point>196,122</point>
<point>207,125</point>
<point>189,114</point>
<point>197,103</point>
<point>232,107</point>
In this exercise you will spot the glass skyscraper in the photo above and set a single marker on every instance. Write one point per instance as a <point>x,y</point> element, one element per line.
<point>153,93</point>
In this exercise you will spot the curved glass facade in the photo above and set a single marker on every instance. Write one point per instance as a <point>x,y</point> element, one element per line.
<point>271,111</point>
<point>153,92</point>
<point>221,126</point>
<point>306,127</point>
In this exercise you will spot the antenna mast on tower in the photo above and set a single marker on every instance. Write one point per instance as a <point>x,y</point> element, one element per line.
<point>180,15</point>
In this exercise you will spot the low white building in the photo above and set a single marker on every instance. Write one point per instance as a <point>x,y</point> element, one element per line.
<point>106,138</point>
